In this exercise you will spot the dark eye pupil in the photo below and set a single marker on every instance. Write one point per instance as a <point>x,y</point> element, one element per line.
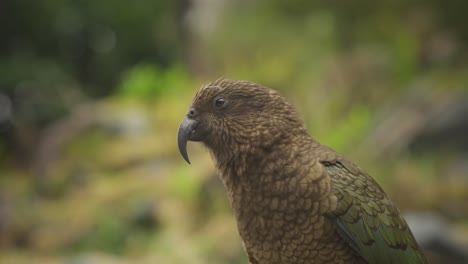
<point>219,102</point>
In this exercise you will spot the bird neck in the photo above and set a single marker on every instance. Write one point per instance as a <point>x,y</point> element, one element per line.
<point>256,169</point>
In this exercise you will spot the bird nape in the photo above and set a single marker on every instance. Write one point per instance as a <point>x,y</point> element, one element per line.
<point>295,200</point>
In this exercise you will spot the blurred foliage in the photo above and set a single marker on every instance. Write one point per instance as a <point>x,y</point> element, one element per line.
<point>146,81</point>
<point>95,90</point>
<point>90,41</point>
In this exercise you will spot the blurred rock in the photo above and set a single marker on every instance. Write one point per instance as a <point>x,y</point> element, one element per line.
<point>124,121</point>
<point>421,121</point>
<point>95,258</point>
<point>435,236</point>
<point>5,109</point>
<point>444,128</point>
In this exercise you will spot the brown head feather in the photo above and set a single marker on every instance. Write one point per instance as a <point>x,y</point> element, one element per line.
<point>254,118</point>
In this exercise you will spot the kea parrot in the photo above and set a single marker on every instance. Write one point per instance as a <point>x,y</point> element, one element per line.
<point>295,200</point>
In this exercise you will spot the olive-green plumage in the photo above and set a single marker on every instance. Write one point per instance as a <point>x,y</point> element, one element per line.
<point>295,200</point>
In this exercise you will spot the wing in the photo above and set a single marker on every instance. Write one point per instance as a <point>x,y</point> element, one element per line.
<point>368,220</point>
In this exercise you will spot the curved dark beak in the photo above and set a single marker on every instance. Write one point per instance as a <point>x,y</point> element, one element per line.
<point>186,128</point>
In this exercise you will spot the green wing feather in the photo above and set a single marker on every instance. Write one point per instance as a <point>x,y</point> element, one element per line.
<point>368,220</point>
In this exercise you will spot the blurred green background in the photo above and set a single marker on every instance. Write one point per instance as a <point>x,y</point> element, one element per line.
<point>92,92</point>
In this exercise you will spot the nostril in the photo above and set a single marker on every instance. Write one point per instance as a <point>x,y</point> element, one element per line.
<point>192,113</point>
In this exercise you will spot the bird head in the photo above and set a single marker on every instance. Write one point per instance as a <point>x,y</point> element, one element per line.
<point>232,116</point>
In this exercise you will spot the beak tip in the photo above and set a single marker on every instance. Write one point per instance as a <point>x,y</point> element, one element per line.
<point>183,133</point>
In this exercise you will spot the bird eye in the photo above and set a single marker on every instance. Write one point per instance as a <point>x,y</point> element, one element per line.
<point>219,102</point>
